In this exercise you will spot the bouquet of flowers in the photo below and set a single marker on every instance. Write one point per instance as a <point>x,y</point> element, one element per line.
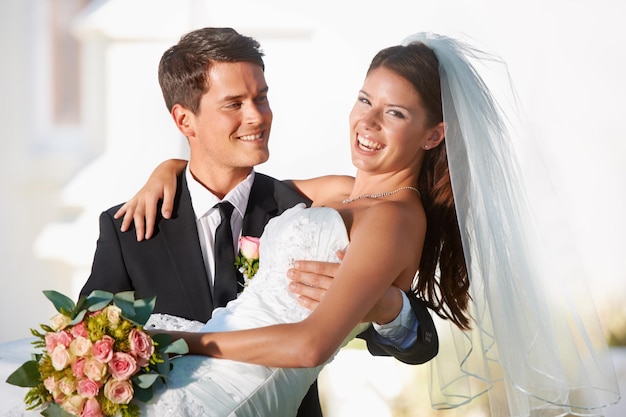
<point>96,358</point>
<point>247,261</point>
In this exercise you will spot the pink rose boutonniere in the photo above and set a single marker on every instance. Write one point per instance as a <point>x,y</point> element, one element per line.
<point>96,360</point>
<point>248,259</point>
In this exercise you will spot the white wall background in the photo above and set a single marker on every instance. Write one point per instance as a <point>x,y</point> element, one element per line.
<point>565,56</point>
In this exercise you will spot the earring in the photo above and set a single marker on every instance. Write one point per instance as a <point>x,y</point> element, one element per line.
<point>425,147</point>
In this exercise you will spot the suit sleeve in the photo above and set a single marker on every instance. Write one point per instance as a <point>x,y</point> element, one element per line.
<point>425,347</point>
<point>108,271</point>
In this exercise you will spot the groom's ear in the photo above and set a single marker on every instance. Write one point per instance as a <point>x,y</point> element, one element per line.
<point>184,120</point>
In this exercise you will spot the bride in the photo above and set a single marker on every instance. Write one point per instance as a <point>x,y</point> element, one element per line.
<point>436,192</point>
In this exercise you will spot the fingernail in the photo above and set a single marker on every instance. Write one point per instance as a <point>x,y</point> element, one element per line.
<point>292,286</point>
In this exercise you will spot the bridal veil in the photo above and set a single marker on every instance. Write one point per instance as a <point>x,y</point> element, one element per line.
<point>536,346</point>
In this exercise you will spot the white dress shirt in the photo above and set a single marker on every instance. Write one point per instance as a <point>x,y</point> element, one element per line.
<point>208,216</point>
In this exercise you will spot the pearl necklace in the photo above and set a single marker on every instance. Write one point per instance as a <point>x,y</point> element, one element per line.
<point>379,195</point>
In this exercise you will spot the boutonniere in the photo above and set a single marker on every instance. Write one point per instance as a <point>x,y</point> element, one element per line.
<point>247,261</point>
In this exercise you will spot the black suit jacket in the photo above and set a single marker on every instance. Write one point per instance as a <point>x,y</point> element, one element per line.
<point>170,265</point>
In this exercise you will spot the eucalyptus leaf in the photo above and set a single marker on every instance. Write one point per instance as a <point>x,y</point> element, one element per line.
<point>79,317</point>
<point>162,340</point>
<point>54,410</point>
<point>62,303</point>
<point>164,367</point>
<point>142,394</point>
<point>126,302</point>
<point>26,375</point>
<point>145,380</point>
<point>97,300</point>
<point>143,309</point>
<point>80,303</point>
<point>178,346</point>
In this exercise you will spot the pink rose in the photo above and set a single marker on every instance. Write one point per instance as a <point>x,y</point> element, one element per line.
<point>58,338</point>
<point>61,357</point>
<point>73,405</point>
<point>118,392</point>
<point>67,386</point>
<point>249,247</point>
<point>59,397</point>
<point>92,409</point>
<point>80,329</point>
<point>78,367</point>
<point>95,370</point>
<point>141,346</point>
<point>87,388</point>
<point>51,385</point>
<point>103,349</point>
<point>80,346</point>
<point>122,365</point>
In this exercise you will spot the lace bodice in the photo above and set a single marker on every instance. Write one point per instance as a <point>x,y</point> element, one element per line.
<point>298,234</point>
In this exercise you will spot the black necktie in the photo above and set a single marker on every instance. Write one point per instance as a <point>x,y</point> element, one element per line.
<point>225,279</point>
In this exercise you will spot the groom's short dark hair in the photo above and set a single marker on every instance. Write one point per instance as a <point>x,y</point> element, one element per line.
<point>183,67</point>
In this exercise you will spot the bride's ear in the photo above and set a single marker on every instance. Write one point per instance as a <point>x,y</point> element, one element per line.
<point>437,135</point>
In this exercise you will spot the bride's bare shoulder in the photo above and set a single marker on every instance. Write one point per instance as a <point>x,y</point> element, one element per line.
<point>325,188</point>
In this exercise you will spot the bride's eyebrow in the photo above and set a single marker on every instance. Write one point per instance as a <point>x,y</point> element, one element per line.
<point>399,106</point>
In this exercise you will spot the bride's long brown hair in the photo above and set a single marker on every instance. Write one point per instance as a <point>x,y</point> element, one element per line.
<point>443,281</point>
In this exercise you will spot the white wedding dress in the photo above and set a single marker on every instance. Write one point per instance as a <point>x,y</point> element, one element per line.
<point>203,386</point>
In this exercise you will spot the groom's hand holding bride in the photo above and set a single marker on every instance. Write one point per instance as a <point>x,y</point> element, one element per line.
<point>311,279</point>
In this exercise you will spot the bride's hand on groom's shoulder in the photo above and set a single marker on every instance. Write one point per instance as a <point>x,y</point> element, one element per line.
<point>142,208</point>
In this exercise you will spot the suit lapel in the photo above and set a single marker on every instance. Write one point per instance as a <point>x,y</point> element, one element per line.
<point>268,198</point>
<point>180,236</point>
<point>262,206</point>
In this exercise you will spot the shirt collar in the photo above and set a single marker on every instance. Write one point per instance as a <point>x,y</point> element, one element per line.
<point>203,200</point>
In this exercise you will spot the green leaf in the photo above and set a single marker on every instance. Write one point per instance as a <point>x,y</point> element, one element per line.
<point>178,346</point>
<point>62,303</point>
<point>97,300</point>
<point>126,302</point>
<point>26,375</point>
<point>142,394</point>
<point>145,380</point>
<point>79,317</point>
<point>164,367</point>
<point>162,340</point>
<point>143,309</point>
<point>54,410</point>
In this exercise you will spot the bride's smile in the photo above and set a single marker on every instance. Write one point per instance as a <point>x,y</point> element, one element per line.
<point>368,145</point>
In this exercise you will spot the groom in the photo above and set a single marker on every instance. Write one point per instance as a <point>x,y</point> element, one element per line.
<point>214,86</point>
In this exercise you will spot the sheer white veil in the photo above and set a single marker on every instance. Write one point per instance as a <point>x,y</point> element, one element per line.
<point>536,345</point>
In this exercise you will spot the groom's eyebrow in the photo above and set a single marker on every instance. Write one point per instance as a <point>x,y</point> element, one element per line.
<point>241,96</point>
